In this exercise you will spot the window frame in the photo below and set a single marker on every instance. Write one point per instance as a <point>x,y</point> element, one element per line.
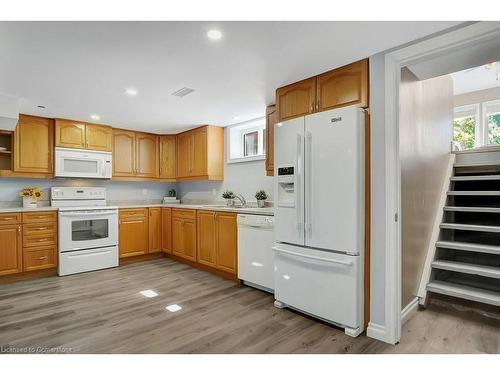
<point>257,124</point>
<point>481,134</point>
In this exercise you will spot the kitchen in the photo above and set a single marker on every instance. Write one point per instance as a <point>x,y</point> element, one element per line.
<point>136,224</point>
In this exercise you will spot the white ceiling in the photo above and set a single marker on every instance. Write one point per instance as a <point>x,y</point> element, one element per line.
<point>476,79</point>
<point>80,68</point>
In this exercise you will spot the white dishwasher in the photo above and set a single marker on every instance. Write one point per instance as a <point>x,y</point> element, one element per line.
<point>255,251</point>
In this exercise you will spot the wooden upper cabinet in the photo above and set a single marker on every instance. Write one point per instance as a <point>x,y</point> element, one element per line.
<point>344,86</point>
<point>200,154</point>
<point>70,134</point>
<point>34,145</point>
<point>271,119</point>
<point>11,250</point>
<point>155,230</point>
<point>206,238</point>
<point>167,157</point>
<point>123,153</point>
<point>166,236</point>
<point>227,243</point>
<point>297,99</point>
<point>147,155</point>
<point>98,137</point>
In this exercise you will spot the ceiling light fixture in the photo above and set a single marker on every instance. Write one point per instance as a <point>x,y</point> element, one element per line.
<point>214,34</point>
<point>131,92</point>
<point>95,117</point>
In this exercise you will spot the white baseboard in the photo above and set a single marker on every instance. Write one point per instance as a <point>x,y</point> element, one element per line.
<point>409,310</point>
<point>376,331</point>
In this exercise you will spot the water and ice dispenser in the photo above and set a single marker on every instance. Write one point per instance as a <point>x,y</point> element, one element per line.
<point>286,186</point>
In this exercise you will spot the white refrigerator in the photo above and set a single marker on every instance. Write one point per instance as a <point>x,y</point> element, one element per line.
<point>319,216</point>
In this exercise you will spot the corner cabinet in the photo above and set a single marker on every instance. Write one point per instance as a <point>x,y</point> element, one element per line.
<point>168,158</point>
<point>166,236</point>
<point>347,85</point>
<point>75,134</point>
<point>200,154</point>
<point>135,154</point>
<point>155,230</point>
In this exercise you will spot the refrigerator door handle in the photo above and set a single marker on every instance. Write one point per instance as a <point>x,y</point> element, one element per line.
<point>298,192</point>
<point>308,184</point>
<point>277,249</point>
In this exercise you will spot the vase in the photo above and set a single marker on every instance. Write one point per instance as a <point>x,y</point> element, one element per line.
<point>229,202</point>
<point>261,203</point>
<point>29,202</point>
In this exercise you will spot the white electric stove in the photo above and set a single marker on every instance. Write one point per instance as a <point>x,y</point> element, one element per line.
<point>88,229</point>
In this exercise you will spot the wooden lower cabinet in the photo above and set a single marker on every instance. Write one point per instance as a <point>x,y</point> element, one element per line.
<point>184,237</point>
<point>166,236</point>
<point>133,232</point>
<point>155,230</point>
<point>217,240</point>
<point>11,251</point>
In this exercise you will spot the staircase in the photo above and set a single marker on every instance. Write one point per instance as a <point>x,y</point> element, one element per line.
<point>467,258</point>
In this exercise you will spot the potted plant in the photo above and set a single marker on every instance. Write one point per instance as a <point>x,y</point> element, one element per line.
<point>31,196</point>
<point>228,195</point>
<point>261,197</point>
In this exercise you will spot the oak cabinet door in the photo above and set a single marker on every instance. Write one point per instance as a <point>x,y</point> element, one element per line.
<point>155,230</point>
<point>167,157</point>
<point>147,155</point>
<point>39,258</point>
<point>34,145</point>
<point>189,232</point>
<point>166,236</point>
<point>99,137</point>
<point>70,133</point>
<point>206,252</point>
<point>227,243</point>
<point>345,86</point>
<point>123,153</point>
<point>271,119</point>
<point>133,236</point>
<point>184,154</point>
<point>11,260</point>
<point>199,153</point>
<point>177,236</point>
<point>296,100</point>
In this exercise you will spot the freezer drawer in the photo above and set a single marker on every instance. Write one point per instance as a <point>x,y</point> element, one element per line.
<point>87,260</point>
<point>324,284</point>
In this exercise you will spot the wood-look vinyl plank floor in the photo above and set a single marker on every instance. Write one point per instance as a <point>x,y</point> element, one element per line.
<point>103,312</point>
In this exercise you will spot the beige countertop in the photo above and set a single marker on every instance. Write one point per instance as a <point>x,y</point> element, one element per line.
<point>136,204</point>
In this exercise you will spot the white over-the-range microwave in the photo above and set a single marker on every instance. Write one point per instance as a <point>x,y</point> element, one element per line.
<point>70,162</point>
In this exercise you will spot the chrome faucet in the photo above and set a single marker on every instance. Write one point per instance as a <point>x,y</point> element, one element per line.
<point>242,200</point>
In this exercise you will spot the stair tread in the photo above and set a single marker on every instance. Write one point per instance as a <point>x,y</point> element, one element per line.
<point>466,292</point>
<point>472,227</point>
<point>474,192</point>
<point>480,164</point>
<point>472,209</point>
<point>470,268</point>
<point>469,246</point>
<point>476,178</point>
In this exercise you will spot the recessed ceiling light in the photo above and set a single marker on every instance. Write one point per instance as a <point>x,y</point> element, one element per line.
<point>41,106</point>
<point>131,92</point>
<point>236,118</point>
<point>95,117</point>
<point>214,34</point>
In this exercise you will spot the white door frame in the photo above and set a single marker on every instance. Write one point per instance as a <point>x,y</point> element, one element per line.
<point>394,61</point>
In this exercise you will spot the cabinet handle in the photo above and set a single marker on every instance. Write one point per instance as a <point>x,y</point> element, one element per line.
<point>42,258</point>
<point>19,229</point>
<point>317,105</point>
<point>311,108</point>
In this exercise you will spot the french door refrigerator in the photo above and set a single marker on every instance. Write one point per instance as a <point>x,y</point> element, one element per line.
<point>319,216</point>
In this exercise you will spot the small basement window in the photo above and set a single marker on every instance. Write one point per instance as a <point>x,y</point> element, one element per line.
<point>246,141</point>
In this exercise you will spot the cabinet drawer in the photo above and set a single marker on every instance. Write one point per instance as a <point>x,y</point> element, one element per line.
<point>183,213</point>
<point>39,217</point>
<point>39,228</point>
<point>10,218</point>
<point>133,213</point>
<point>40,239</point>
<point>39,258</point>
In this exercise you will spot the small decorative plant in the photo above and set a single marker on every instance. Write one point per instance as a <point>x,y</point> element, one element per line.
<point>31,196</point>
<point>228,195</point>
<point>171,193</point>
<point>261,197</point>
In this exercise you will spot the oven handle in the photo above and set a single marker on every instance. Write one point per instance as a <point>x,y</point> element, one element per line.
<point>93,213</point>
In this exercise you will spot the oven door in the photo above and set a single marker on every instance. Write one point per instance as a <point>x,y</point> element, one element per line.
<point>82,164</point>
<point>87,229</point>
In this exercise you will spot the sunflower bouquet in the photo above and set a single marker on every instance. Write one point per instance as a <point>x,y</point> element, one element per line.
<point>30,196</point>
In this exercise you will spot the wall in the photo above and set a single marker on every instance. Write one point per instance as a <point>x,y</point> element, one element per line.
<point>242,178</point>
<point>425,133</point>
<point>9,188</point>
